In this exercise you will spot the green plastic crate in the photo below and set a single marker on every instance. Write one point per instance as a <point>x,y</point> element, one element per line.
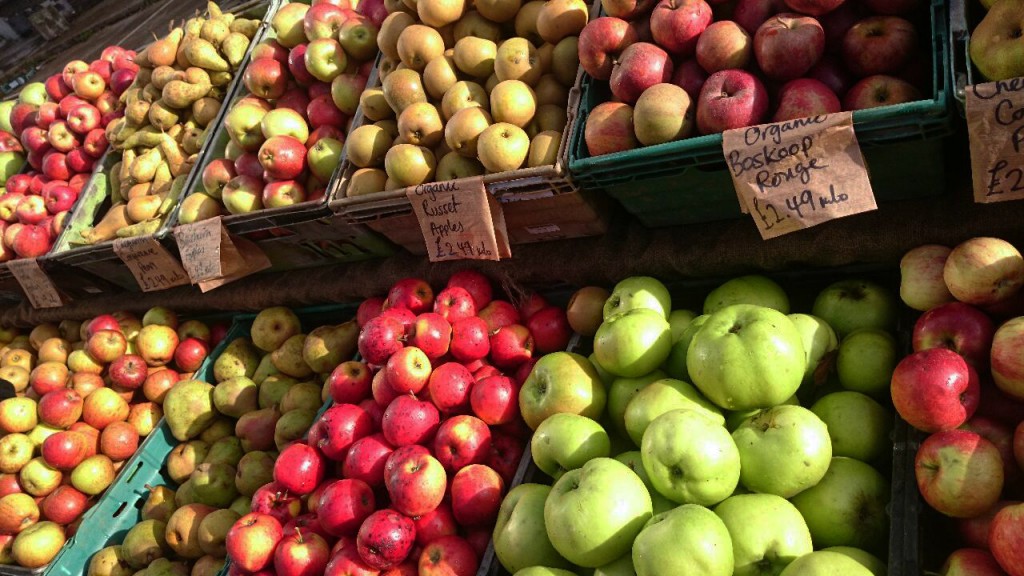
<point>687,181</point>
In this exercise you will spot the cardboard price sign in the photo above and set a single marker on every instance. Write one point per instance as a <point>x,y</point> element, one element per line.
<point>212,257</point>
<point>995,127</point>
<point>459,220</point>
<point>799,173</point>
<point>38,287</point>
<point>152,265</point>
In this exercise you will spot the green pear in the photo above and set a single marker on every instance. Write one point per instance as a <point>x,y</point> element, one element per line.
<point>109,562</point>
<point>214,484</point>
<point>288,357</point>
<point>208,565</point>
<point>184,495</point>
<point>188,408</point>
<point>253,471</point>
<point>327,346</point>
<point>227,450</point>
<point>214,529</point>
<point>292,426</point>
<point>182,532</point>
<point>184,458</point>
<point>265,369</point>
<point>274,388</point>
<point>221,427</point>
<point>242,505</point>
<point>239,358</point>
<point>236,396</point>
<point>302,396</point>
<point>272,326</point>
<point>165,567</point>
<point>159,504</point>
<point>144,543</point>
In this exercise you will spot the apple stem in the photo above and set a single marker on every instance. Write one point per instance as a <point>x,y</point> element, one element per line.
<point>299,534</point>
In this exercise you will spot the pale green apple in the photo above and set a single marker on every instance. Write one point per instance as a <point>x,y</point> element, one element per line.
<point>675,365</point>
<point>690,458</point>
<point>752,289</point>
<point>688,540</point>
<point>33,93</point>
<point>520,539</point>
<point>995,45</point>
<point>733,420</point>
<point>5,115</point>
<point>866,360</point>
<point>621,567</point>
<point>783,450</point>
<point>662,396</point>
<point>544,571</point>
<point>606,377</point>
<point>638,292</point>
<point>747,356</point>
<point>851,304</point>
<point>621,391</point>
<point>847,508</point>
<point>561,382</point>
<point>634,459</point>
<point>633,343</point>
<point>823,563</point>
<point>865,559</point>
<point>40,432</point>
<point>767,533</point>
<point>594,513</point>
<point>818,338</point>
<point>857,425</point>
<point>566,442</point>
<point>678,320</point>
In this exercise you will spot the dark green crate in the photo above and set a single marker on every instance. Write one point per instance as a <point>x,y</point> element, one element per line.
<point>687,181</point>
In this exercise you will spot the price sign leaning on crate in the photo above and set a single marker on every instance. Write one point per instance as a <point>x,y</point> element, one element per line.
<point>460,221</point>
<point>995,124</point>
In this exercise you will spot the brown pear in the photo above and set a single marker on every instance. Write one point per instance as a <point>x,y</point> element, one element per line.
<point>109,561</point>
<point>164,51</point>
<point>213,530</point>
<point>182,532</point>
<point>390,30</point>
<point>402,88</point>
<point>184,458</point>
<point>159,504</point>
<point>144,543</point>
<point>203,54</point>
<point>144,207</point>
<point>288,358</point>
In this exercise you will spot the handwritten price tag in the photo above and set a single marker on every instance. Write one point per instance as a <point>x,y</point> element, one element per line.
<point>799,173</point>
<point>152,265</point>
<point>199,246</point>
<point>460,221</point>
<point>995,127</point>
<point>38,287</point>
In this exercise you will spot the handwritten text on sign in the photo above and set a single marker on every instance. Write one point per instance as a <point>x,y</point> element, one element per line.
<point>152,265</point>
<point>995,124</point>
<point>199,246</point>
<point>799,173</point>
<point>455,219</point>
<point>37,285</point>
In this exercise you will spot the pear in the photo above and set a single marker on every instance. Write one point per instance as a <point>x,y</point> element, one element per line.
<point>292,426</point>
<point>256,429</point>
<point>402,88</point>
<point>266,368</point>
<point>109,562</point>
<point>162,75</point>
<point>202,53</point>
<point>327,346</point>
<point>144,543</point>
<point>166,567</point>
<point>181,94</point>
<point>233,48</point>
<point>272,326</point>
<point>215,31</point>
<point>245,26</point>
<point>184,495</point>
<point>236,396</point>
<point>227,450</point>
<point>208,565</point>
<point>188,408</point>
<point>214,484</point>
<point>255,469</point>
<point>144,167</point>
<point>221,427</point>
<point>182,532</point>
<point>213,530</point>
<point>159,504</point>
<point>302,396</point>
<point>144,207</point>
<point>239,358</point>
<point>289,360</point>
<point>164,51</point>
<point>242,505</point>
<point>274,388</point>
<point>184,458</point>
<point>205,110</point>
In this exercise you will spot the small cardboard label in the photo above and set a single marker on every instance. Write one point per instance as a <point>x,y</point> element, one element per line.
<point>995,127</point>
<point>152,265</point>
<point>459,220</point>
<point>799,173</point>
<point>212,257</point>
<point>38,287</point>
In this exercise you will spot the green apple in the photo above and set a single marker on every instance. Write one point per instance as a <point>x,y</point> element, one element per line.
<point>638,292</point>
<point>851,304</point>
<point>690,458</point>
<point>34,93</point>
<point>544,571</point>
<point>633,343</point>
<point>593,513</point>
<point>866,360</point>
<point>675,365</point>
<point>767,533</point>
<point>634,459</point>
<point>678,320</point>
<point>566,442</point>
<point>753,289</point>
<point>857,425</point>
<point>5,115</point>
<point>818,338</point>
<point>37,545</point>
<point>621,392</point>
<point>323,157</point>
<point>847,508</point>
<point>519,537</point>
<point>688,540</point>
<point>621,567</point>
<point>747,356</point>
<point>733,420</point>
<point>783,450</point>
<point>824,563</point>
<point>561,382</point>
<point>865,559</point>
<point>664,396</point>
<point>606,377</point>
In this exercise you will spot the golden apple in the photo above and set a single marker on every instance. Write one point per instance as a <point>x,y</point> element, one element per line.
<point>473,24</point>
<point>390,29</point>
<point>440,74</point>
<point>526,21</point>
<point>438,13</point>
<point>409,165</point>
<point>463,94</point>
<point>560,18</point>
<point>366,181</point>
<point>502,147</point>
<point>452,166</point>
<point>402,88</point>
<point>513,101</point>
<point>367,145</point>
<point>375,105</point>
<point>498,10</point>
<point>419,44</point>
<point>544,149</point>
<point>463,129</point>
<point>517,59</point>
<point>475,56</point>
<point>420,124</point>
<point>565,61</point>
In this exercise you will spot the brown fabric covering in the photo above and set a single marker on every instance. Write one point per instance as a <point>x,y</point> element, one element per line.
<point>699,251</point>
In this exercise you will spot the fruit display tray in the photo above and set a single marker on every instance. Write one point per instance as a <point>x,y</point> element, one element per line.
<point>686,181</point>
<point>99,259</point>
<point>540,204</point>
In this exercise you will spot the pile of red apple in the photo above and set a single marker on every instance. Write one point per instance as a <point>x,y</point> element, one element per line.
<point>87,393</point>
<point>287,134</point>
<point>61,126</point>
<point>964,385</point>
<point>405,472</point>
<point>678,68</point>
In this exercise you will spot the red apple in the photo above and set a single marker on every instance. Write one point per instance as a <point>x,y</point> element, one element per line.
<point>301,553</point>
<point>408,370</point>
<point>960,327</point>
<point>366,458</point>
<point>344,505</point>
<point>64,505</point>
<point>723,45</point>
<point>935,390</point>
<point>88,85</point>
<point>677,24</point>
<point>830,72</point>
<point>609,129</point>
<point>805,97</point>
<point>971,562</point>
<point>323,112</point>
<point>64,450</point>
<point>1005,358</point>
<point>1006,539</point>
<point>252,540</point>
<point>297,65</point>
<point>498,313</point>
<point>787,45</point>
<point>369,309</point>
<point>190,354</point>
<point>974,531</point>
<point>128,371</point>
<point>879,90</point>
<point>408,420</point>
<point>448,556</point>
<point>415,480</point>
<point>1001,436</point>
<point>385,539</point>
<point>731,99</point>
<point>121,80</point>
<point>462,440</point>
<point>345,561</point>
<point>84,118</point>
<point>342,425</point>
<point>477,491</point>
<point>435,524</point>
<point>454,303</point>
<point>282,157</point>
<point>430,333</point>
<point>640,66</point>
<point>349,382</point>
<point>449,387</point>
<point>550,329</point>
<point>379,339</point>
<point>299,468</point>
<point>879,45</point>
<point>60,408</point>
<point>56,88</point>
<point>959,473</point>
<point>273,500</point>
<point>413,294</point>
<point>266,78</point>
<point>495,400</point>
<point>750,14</point>
<point>119,440</point>
<point>601,42</point>
<point>470,340</point>
<point>323,21</point>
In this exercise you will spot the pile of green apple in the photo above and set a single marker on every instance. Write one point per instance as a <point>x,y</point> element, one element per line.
<point>265,393</point>
<point>996,48</point>
<point>86,393</point>
<point>745,440</point>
